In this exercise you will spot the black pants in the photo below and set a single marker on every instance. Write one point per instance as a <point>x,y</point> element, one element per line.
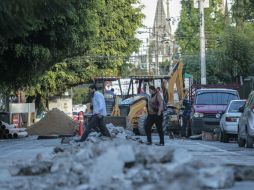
<point>157,120</point>
<point>96,123</point>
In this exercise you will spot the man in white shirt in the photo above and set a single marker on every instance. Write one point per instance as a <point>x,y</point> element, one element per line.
<point>99,111</point>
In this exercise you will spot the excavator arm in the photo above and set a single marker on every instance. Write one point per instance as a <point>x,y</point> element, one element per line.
<point>175,78</point>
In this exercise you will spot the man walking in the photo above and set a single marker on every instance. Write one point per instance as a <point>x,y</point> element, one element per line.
<point>155,116</point>
<point>99,111</point>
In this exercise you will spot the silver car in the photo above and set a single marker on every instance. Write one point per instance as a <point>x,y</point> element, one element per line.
<point>229,120</point>
<point>246,123</point>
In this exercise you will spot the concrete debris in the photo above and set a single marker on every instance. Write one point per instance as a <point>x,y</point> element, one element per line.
<point>104,167</point>
<point>243,172</point>
<point>33,169</point>
<point>119,132</point>
<point>216,177</point>
<point>118,163</point>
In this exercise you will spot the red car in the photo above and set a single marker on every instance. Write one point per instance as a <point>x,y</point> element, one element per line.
<point>208,106</point>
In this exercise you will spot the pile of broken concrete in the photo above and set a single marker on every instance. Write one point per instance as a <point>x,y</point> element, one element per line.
<point>120,162</point>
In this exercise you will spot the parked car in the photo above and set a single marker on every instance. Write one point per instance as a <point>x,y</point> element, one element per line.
<point>207,107</point>
<point>246,123</point>
<point>229,120</point>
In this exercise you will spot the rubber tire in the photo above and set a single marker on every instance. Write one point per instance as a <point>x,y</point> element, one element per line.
<point>241,142</point>
<point>194,132</point>
<point>141,128</point>
<point>220,137</point>
<point>249,141</point>
<point>224,137</point>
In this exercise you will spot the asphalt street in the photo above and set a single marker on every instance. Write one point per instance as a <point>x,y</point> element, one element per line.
<point>23,150</point>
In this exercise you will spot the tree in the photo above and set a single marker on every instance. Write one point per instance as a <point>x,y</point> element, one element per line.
<point>119,20</point>
<point>187,36</point>
<point>36,34</point>
<point>115,41</point>
<point>243,10</point>
<point>236,53</point>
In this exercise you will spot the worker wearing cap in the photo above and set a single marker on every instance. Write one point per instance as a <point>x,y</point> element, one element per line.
<point>99,111</point>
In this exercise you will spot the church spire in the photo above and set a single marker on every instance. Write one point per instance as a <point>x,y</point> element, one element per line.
<point>160,22</point>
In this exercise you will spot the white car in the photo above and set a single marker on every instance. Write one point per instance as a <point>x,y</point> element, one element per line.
<point>229,120</point>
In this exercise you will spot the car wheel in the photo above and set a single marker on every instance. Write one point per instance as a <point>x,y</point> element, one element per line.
<point>249,140</point>
<point>224,137</point>
<point>241,142</point>
<point>220,136</point>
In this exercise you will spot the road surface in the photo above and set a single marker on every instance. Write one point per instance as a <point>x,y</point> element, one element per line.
<point>26,149</point>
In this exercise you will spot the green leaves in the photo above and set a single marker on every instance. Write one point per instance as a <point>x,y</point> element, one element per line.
<point>36,34</point>
<point>236,55</point>
<point>188,38</point>
<point>47,46</point>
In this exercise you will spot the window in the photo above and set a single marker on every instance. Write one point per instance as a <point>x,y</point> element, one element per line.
<point>215,98</point>
<point>234,106</point>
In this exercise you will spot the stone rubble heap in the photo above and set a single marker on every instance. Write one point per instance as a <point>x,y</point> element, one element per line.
<point>115,163</point>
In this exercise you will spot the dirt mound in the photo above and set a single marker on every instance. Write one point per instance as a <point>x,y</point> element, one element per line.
<point>55,122</point>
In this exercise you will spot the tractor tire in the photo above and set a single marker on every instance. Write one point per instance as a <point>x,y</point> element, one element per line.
<point>141,125</point>
<point>166,122</point>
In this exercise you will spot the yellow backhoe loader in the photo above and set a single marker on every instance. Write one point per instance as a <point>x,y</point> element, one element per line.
<point>135,107</point>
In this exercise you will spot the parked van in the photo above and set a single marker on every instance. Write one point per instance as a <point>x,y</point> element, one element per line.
<point>208,105</point>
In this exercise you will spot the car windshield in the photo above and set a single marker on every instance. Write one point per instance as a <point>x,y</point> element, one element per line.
<point>215,98</point>
<point>234,106</point>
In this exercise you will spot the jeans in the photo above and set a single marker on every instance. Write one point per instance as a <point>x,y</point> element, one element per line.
<point>157,120</point>
<point>96,123</point>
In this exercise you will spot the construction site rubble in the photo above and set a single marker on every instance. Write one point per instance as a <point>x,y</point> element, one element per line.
<point>55,122</point>
<point>120,162</point>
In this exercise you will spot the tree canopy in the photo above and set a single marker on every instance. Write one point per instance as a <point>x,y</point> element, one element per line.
<point>36,34</point>
<point>50,45</point>
<point>188,38</point>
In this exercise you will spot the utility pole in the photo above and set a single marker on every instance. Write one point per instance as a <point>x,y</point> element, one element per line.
<point>157,54</point>
<point>147,57</point>
<point>202,4</point>
<point>170,55</point>
<point>168,17</point>
<point>202,42</point>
